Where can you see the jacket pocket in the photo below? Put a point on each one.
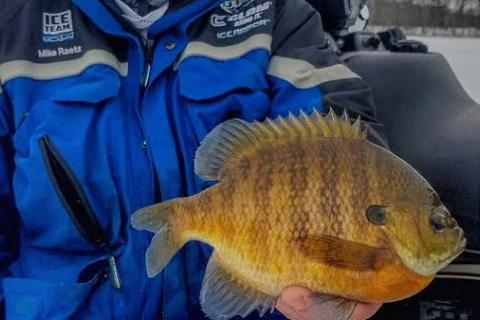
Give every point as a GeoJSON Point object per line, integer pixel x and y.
{"type": "Point", "coordinates": [35, 299]}
{"type": "Point", "coordinates": [77, 205]}
{"type": "Point", "coordinates": [79, 121]}
{"type": "Point", "coordinates": [214, 91]}
{"type": "Point", "coordinates": [71, 194]}
{"type": "Point", "coordinates": [68, 98]}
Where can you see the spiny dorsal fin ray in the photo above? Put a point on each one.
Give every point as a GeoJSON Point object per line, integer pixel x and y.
{"type": "Point", "coordinates": [235, 138]}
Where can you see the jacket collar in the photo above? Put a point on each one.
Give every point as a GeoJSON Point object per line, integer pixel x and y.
{"type": "Point", "coordinates": [106, 15]}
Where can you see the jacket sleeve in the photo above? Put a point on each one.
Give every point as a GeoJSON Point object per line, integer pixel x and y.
{"type": "Point", "coordinates": [8, 216]}
{"type": "Point", "coordinates": [305, 71]}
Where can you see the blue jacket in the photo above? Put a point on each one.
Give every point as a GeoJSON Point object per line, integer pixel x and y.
{"type": "Point", "coordinates": [96, 122]}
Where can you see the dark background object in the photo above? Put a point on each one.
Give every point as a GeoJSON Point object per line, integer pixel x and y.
{"type": "Point", "coordinates": [361, 40]}
{"type": "Point", "coordinates": [338, 15]}
{"type": "Point", "coordinates": [396, 41]}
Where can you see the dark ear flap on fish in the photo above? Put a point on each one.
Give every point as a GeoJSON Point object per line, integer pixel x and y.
{"type": "Point", "coordinates": [376, 214]}
{"type": "Point", "coordinates": [235, 138]}
{"type": "Point", "coordinates": [330, 307]}
{"type": "Point", "coordinates": [342, 254]}
{"type": "Point", "coordinates": [224, 296]}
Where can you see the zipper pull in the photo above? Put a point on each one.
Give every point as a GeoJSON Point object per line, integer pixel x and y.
{"type": "Point", "coordinates": [114, 274]}
{"type": "Point", "coordinates": [148, 50]}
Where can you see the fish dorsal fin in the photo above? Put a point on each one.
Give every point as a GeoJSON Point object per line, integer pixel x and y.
{"type": "Point", "coordinates": [224, 296]}
{"type": "Point", "coordinates": [235, 138]}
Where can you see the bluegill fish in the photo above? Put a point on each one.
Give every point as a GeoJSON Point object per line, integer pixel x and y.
{"type": "Point", "coordinates": [304, 201]}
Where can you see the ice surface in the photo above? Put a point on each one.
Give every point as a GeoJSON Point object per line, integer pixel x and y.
{"type": "Point", "coordinates": [463, 54]}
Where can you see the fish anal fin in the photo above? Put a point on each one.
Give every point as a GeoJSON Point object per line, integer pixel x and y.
{"type": "Point", "coordinates": [342, 254]}
{"type": "Point", "coordinates": [224, 295]}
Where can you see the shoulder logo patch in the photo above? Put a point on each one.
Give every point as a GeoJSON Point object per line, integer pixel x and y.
{"type": "Point", "coordinates": [57, 27]}
{"type": "Point", "coordinates": [243, 16]}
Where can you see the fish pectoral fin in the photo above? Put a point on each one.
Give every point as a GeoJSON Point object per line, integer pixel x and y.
{"type": "Point", "coordinates": [342, 254]}
{"type": "Point", "coordinates": [330, 307]}
{"type": "Point", "coordinates": [224, 295]}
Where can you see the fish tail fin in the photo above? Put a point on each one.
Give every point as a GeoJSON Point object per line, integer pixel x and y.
{"type": "Point", "coordinates": [166, 241]}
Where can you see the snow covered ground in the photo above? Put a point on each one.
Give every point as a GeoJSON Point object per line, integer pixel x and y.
{"type": "Point", "coordinates": [463, 54]}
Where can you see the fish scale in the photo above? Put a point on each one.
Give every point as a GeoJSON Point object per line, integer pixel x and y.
{"type": "Point", "coordinates": [304, 201]}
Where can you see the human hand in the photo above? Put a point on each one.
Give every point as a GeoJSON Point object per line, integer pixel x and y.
{"type": "Point", "coordinates": [298, 303]}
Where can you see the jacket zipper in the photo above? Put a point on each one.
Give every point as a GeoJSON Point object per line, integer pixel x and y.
{"type": "Point", "coordinates": [76, 204]}
{"type": "Point", "coordinates": [148, 45]}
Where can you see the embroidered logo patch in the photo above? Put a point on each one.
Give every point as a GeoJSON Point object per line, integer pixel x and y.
{"type": "Point", "coordinates": [243, 17]}
{"type": "Point", "coordinates": [57, 27]}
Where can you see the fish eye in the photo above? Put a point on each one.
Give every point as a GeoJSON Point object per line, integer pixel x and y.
{"type": "Point", "coordinates": [438, 222]}
{"type": "Point", "coordinates": [376, 214]}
